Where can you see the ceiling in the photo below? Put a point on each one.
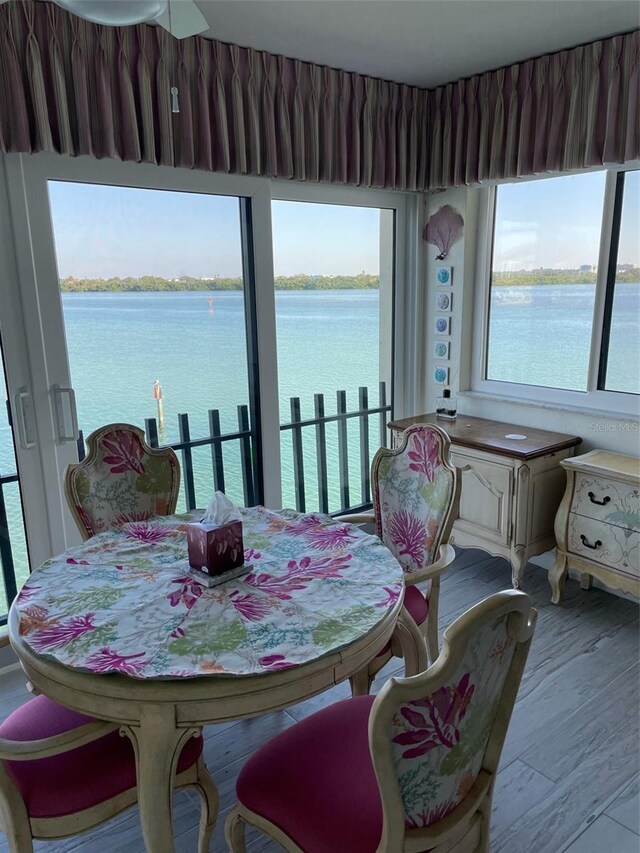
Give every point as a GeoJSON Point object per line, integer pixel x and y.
{"type": "Point", "coordinates": [422, 42]}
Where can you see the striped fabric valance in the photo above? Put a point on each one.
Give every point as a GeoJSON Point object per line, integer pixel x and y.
{"type": "Point", "coordinates": [73, 87]}
{"type": "Point", "coordinates": [565, 111]}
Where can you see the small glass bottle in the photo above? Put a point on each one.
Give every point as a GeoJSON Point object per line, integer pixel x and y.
{"type": "Point", "coordinates": [446, 406]}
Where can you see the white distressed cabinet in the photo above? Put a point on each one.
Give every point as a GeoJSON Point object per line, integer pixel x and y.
{"type": "Point", "coordinates": [512, 484]}
{"type": "Point", "coordinates": [598, 523]}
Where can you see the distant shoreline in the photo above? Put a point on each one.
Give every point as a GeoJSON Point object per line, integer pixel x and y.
{"type": "Point", "coordinates": [522, 278]}
{"type": "Point", "coordinates": [158, 285]}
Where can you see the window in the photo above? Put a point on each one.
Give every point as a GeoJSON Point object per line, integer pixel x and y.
{"type": "Point", "coordinates": [333, 267]}
{"type": "Point", "coordinates": [153, 280]}
{"type": "Point", "coordinates": [620, 361]}
{"type": "Point", "coordinates": [561, 313]}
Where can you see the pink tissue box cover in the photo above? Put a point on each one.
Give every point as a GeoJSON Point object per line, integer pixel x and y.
{"type": "Point", "coordinates": [215, 548]}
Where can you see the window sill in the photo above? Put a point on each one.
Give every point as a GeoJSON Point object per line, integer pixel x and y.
{"type": "Point", "coordinates": [543, 404]}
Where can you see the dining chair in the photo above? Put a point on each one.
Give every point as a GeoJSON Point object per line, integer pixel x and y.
{"type": "Point", "coordinates": [121, 479]}
{"type": "Point", "coordinates": [416, 491]}
{"type": "Point", "coordinates": [62, 773]}
{"type": "Point", "coordinates": [412, 769]}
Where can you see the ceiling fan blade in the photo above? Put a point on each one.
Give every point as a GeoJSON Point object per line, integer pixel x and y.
{"type": "Point", "coordinates": [182, 18]}
{"type": "Point", "coordinates": [114, 13]}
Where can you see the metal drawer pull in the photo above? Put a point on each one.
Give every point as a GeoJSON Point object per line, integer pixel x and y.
{"type": "Point", "coordinates": [586, 543]}
{"type": "Point", "coordinates": [605, 500]}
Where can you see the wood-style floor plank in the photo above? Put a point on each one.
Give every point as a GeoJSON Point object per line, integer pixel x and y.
{"type": "Point", "coordinates": [597, 727]}
{"type": "Point", "coordinates": [518, 788]}
{"type": "Point", "coordinates": [625, 809]}
{"type": "Point", "coordinates": [569, 767]}
{"type": "Point", "coordinates": [605, 836]}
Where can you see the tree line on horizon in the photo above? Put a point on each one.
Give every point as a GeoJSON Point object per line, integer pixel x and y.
{"type": "Point", "coordinates": [556, 276]}
{"type": "Point", "coordinates": [155, 283]}
{"type": "Point", "coordinates": [317, 282]}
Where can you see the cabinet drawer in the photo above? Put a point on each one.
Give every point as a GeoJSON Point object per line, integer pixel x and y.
{"type": "Point", "coordinates": [603, 499]}
{"type": "Point", "coordinates": [615, 547]}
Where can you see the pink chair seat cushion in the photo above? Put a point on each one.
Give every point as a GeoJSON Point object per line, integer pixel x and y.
{"type": "Point", "coordinates": [418, 607]}
{"type": "Point", "coordinates": [315, 781]}
{"type": "Point", "coordinates": [80, 778]}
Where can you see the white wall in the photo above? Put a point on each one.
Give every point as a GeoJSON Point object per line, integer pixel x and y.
{"type": "Point", "coordinates": [608, 430]}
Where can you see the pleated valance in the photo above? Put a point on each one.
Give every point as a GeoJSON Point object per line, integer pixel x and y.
{"type": "Point", "coordinates": [570, 110]}
{"type": "Point", "coordinates": [73, 87]}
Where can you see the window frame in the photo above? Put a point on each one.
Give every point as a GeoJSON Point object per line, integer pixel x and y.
{"type": "Point", "coordinates": [595, 398]}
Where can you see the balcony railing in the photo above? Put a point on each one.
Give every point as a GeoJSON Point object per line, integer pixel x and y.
{"type": "Point", "coordinates": [298, 427]}
{"type": "Point", "coordinates": [6, 553]}
{"type": "Point", "coordinates": [319, 423]}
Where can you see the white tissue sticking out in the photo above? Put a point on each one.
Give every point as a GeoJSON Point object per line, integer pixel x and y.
{"type": "Point", "coordinates": [516, 436]}
{"type": "Point", "coordinates": [221, 510]}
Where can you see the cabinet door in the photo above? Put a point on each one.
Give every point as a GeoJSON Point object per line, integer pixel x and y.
{"type": "Point", "coordinates": [485, 498]}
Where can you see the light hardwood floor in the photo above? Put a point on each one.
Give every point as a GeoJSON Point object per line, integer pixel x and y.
{"type": "Point", "coordinates": [569, 776]}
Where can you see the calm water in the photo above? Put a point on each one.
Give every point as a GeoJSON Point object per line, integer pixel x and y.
{"type": "Point", "coordinates": [542, 336]}
{"type": "Point", "coordinates": [119, 344]}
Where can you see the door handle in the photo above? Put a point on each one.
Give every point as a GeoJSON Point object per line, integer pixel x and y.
{"type": "Point", "coordinates": [65, 432]}
{"type": "Point", "coordinates": [24, 418]}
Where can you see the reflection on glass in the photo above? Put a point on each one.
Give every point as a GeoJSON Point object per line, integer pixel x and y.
{"type": "Point", "coordinates": [545, 251]}
{"type": "Point", "coordinates": [623, 362]}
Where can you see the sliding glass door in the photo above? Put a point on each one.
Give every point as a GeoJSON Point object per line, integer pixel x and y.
{"type": "Point", "coordinates": [139, 296]}
{"type": "Point", "coordinates": [148, 295]}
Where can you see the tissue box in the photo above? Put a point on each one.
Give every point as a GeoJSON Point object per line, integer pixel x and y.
{"type": "Point", "coordinates": [215, 548]}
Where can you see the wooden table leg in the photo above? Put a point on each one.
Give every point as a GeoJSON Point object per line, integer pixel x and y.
{"type": "Point", "coordinates": [157, 743]}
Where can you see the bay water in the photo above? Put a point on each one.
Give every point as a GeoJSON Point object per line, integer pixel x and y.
{"type": "Point", "coordinates": [194, 344]}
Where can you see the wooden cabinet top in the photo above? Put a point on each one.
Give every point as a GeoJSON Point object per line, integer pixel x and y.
{"type": "Point", "coordinates": [607, 464]}
{"type": "Point", "coordinates": [494, 436]}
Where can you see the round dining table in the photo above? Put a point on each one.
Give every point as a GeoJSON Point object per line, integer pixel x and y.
{"type": "Point", "coordinates": [119, 629]}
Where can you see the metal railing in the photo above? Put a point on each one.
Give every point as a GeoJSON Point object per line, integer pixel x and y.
{"type": "Point", "coordinates": [246, 437]}
{"type": "Point", "coordinates": [341, 418]}
{"type": "Point", "coordinates": [6, 553]}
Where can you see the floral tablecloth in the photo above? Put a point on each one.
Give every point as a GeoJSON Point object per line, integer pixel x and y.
{"type": "Point", "coordinates": [124, 601]}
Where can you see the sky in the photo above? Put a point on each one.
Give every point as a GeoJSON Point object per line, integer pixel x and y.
{"type": "Point", "coordinates": [556, 222]}
{"type": "Point", "coordinates": [103, 231]}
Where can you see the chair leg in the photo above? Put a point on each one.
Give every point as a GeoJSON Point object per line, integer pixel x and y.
{"type": "Point", "coordinates": [209, 806]}
{"type": "Point", "coordinates": [361, 683]}
{"type": "Point", "coordinates": [20, 845]}
{"type": "Point", "coordinates": [14, 818]}
{"type": "Point", "coordinates": [485, 810]}
{"type": "Point", "coordinates": [234, 832]}
{"type": "Point", "coordinates": [432, 620]}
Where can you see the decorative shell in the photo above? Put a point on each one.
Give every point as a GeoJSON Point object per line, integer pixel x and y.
{"type": "Point", "coordinates": [443, 229]}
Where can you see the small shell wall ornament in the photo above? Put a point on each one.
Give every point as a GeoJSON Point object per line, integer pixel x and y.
{"type": "Point", "coordinates": [443, 229]}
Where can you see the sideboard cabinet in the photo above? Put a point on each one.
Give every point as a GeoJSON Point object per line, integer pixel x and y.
{"type": "Point", "coordinates": [598, 523]}
{"type": "Point", "coordinates": [512, 484]}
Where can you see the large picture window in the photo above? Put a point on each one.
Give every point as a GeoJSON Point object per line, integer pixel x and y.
{"type": "Point", "coordinates": [561, 313]}
{"type": "Point", "coordinates": [620, 357]}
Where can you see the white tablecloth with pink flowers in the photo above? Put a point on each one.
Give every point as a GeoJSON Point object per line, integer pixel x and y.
{"type": "Point", "coordinates": [124, 601]}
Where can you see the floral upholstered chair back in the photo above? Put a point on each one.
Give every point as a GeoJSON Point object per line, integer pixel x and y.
{"type": "Point", "coordinates": [441, 728]}
{"type": "Point", "coordinates": [121, 479]}
{"type": "Point", "coordinates": [414, 488]}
